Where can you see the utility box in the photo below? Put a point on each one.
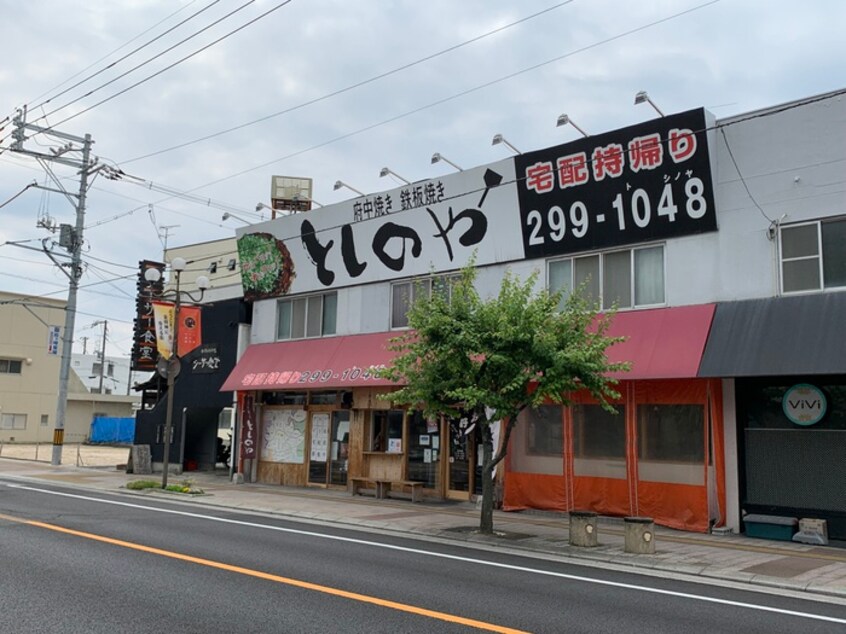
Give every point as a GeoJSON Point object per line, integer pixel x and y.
{"type": "Point", "coordinates": [770, 526]}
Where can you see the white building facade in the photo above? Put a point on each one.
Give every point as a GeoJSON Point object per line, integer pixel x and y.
{"type": "Point", "coordinates": [679, 222]}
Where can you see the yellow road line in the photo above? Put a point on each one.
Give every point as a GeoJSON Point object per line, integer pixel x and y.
{"type": "Point", "coordinates": [363, 598]}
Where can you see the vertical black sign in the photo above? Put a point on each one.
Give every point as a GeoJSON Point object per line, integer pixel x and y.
{"type": "Point", "coordinates": [646, 182]}
{"type": "Point", "coordinates": [144, 352]}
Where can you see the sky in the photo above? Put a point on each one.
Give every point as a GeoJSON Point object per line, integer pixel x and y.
{"type": "Point", "coordinates": [200, 110]}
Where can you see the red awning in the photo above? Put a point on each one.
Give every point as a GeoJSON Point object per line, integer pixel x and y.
{"type": "Point", "coordinates": [663, 343]}
{"type": "Point", "coordinates": [329, 363]}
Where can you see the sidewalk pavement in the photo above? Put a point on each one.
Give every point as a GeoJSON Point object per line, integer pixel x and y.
{"type": "Point", "coordinates": [716, 558]}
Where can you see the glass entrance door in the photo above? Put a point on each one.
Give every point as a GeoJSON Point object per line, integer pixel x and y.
{"type": "Point", "coordinates": [330, 442]}
{"type": "Point", "coordinates": [339, 456]}
{"type": "Point", "coordinates": [424, 449]}
{"type": "Point", "coordinates": [319, 452]}
{"type": "Point", "coordinates": [460, 471]}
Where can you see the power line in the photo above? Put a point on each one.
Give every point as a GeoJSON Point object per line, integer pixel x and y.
{"type": "Point", "coordinates": [459, 95]}
{"type": "Point", "coordinates": [440, 101]}
{"type": "Point", "coordinates": [32, 184]}
{"type": "Point", "coordinates": [705, 129]}
{"type": "Point", "coordinates": [740, 174]}
{"type": "Point", "coordinates": [341, 91]}
{"type": "Point", "coordinates": [176, 63]}
{"type": "Point", "coordinates": [119, 60]}
{"type": "Point", "coordinates": [147, 61]}
{"type": "Point", "coordinates": [107, 55]}
{"type": "Point", "coordinates": [173, 193]}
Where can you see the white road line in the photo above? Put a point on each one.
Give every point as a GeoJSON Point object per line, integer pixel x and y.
{"type": "Point", "coordinates": [480, 562]}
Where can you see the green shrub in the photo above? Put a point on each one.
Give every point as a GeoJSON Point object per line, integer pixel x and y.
{"type": "Point", "coordinates": [137, 485]}
{"type": "Point", "coordinates": [183, 487]}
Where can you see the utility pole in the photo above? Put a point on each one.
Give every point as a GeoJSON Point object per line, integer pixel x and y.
{"type": "Point", "coordinates": [84, 345]}
{"type": "Point", "coordinates": [71, 239]}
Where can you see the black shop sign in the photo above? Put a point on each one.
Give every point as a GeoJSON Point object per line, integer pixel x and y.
{"type": "Point", "coordinates": [646, 182]}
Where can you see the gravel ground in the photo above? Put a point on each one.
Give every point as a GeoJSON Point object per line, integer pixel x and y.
{"type": "Point", "coordinates": [81, 455]}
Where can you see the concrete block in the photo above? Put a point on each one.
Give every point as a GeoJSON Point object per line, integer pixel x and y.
{"type": "Point", "coordinates": [583, 529]}
{"type": "Point", "coordinates": [639, 535]}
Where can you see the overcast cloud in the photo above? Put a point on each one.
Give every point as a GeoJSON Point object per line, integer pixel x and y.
{"type": "Point", "coordinates": [730, 56]}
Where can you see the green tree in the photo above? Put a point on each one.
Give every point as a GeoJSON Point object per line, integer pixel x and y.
{"type": "Point", "coordinates": [466, 358]}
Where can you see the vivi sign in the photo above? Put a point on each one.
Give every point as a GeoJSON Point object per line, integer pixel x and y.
{"type": "Point", "coordinates": [804, 404]}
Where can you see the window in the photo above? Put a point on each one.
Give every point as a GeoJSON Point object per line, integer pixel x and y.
{"type": "Point", "coordinates": [404, 294]}
{"type": "Point", "coordinates": [10, 366]}
{"type": "Point", "coordinates": [545, 431]}
{"type": "Point", "coordinates": [312, 316]}
{"type": "Point", "coordinates": [671, 433]}
{"type": "Point", "coordinates": [45, 420]}
{"type": "Point", "coordinates": [598, 433]}
{"type": "Point", "coordinates": [386, 431]}
{"type": "Point", "coordinates": [322, 398]}
{"type": "Point", "coordinates": [812, 256]}
{"type": "Point", "coordinates": [13, 421]}
{"type": "Point", "coordinates": [629, 278]}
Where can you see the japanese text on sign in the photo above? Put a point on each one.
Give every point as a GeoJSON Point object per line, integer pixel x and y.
{"type": "Point", "coordinates": [645, 182]}
{"type": "Point", "coordinates": [294, 377]}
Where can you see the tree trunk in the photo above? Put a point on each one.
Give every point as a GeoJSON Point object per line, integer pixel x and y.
{"type": "Point", "coordinates": [486, 517]}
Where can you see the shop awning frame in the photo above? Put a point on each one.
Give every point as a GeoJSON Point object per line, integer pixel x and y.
{"type": "Point", "coordinates": [778, 336]}
{"type": "Point", "coordinates": [661, 343]}
{"type": "Point", "coordinates": [312, 364]}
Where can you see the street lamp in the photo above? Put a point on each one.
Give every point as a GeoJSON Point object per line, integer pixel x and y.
{"type": "Point", "coordinates": [565, 119]}
{"type": "Point", "coordinates": [437, 157]}
{"type": "Point", "coordinates": [177, 265]}
{"type": "Point", "coordinates": [339, 184]}
{"type": "Point", "coordinates": [498, 138]}
{"type": "Point", "coordinates": [643, 97]}
{"type": "Point", "coordinates": [387, 170]}
{"type": "Point", "coordinates": [226, 216]}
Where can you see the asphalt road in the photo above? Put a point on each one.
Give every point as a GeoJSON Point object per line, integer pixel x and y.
{"type": "Point", "coordinates": [93, 562]}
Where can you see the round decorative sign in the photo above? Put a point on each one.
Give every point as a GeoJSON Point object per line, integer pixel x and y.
{"type": "Point", "coordinates": [804, 404]}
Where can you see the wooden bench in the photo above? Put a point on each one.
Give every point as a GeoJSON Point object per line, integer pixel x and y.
{"type": "Point", "coordinates": [357, 482]}
{"type": "Point", "coordinates": [383, 487]}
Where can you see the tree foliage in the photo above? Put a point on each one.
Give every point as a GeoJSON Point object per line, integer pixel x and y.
{"type": "Point", "coordinates": [466, 357]}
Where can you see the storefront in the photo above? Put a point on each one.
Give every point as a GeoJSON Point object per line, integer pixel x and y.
{"type": "Point", "coordinates": [660, 455]}
{"type": "Point", "coordinates": [323, 425]}
{"type": "Point", "coordinates": [788, 360]}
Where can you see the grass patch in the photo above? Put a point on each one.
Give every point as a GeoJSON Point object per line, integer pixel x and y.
{"type": "Point", "coordinates": [183, 487]}
{"type": "Point", "coordinates": [138, 485]}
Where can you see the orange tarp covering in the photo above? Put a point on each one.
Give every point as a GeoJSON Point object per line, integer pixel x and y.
{"type": "Point", "coordinates": [606, 496]}
{"type": "Point", "coordinates": [681, 506]}
{"type": "Point", "coordinates": [534, 491]}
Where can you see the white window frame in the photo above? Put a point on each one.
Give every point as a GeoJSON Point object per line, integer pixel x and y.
{"type": "Point", "coordinates": [307, 298]}
{"type": "Point", "coordinates": [429, 282]}
{"type": "Point", "coordinates": [820, 256]}
{"type": "Point", "coordinates": [12, 421]}
{"type": "Point", "coordinates": [601, 274]}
